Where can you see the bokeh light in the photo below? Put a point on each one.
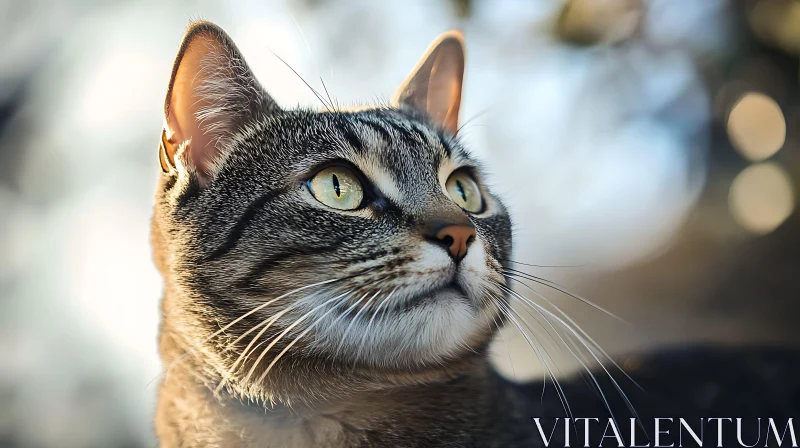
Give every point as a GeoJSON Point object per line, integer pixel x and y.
{"type": "Point", "coordinates": [776, 21]}
{"type": "Point", "coordinates": [761, 197]}
{"type": "Point", "coordinates": [756, 126]}
{"type": "Point", "coordinates": [600, 21]}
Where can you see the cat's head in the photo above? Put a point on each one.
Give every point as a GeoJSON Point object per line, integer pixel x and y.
{"type": "Point", "coordinates": [366, 239]}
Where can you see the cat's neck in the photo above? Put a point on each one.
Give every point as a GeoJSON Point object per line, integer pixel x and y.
{"type": "Point", "coordinates": [190, 412]}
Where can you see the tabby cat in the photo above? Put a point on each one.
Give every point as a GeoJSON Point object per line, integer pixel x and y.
{"type": "Point", "coordinates": [333, 278]}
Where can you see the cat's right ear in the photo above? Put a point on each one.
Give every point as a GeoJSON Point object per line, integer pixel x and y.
{"type": "Point", "coordinates": [211, 93]}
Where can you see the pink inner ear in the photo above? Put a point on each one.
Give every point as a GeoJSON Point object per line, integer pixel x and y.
{"type": "Point", "coordinates": [186, 99]}
{"type": "Point", "coordinates": [434, 86]}
{"type": "Point", "coordinates": [444, 90]}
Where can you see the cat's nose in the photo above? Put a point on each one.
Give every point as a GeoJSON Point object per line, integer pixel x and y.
{"type": "Point", "coordinates": [456, 238]}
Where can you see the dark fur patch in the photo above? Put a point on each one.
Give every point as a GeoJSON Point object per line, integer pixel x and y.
{"type": "Point", "coordinates": [242, 222]}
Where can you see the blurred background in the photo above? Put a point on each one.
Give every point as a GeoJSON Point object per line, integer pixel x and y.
{"type": "Point", "coordinates": [648, 151]}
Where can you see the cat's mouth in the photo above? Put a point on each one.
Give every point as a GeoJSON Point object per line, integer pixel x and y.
{"type": "Point", "coordinates": [451, 291]}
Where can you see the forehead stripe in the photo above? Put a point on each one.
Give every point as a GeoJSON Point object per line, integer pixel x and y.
{"type": "Point", "coordinates": [387, 136]}
{"type": "Point", "coordinates": [352, 137]}
{"type": "Point", "coordinates": [405, 135]}
{"type": "Point", "coordinates": [423, 137]}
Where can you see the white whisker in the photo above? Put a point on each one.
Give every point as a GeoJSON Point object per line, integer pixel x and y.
{"type": "Point", "coordinates": [369, 324]}
{"type": "Point", "coordinates": [352, 322]}
{"type": "Point", "coordinates": [589, 349]}
{"type": "Point", "coordinates": [194, 348]}
{"type": "Point", "coordinates": [510, 314]}
{"type": "Point", "coordinates": [551, 284]}
{"type": "Point", "coordinates": [582, 331]}
{"type": "Point", "coordinates": [291, 344]}
{"type": "Point", "coordinates": [287, 330]}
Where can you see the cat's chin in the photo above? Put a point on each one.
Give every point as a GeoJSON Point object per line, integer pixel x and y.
{"type": "Point", "coordinates": [423, 330]}
{"type": "Point", "coordinates": [448, 294]}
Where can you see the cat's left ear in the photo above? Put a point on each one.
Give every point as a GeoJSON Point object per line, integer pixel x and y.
{"type": "Point", "coordinates": [211, 94]}
{"type": "Point", "coordinates": [434, 86]}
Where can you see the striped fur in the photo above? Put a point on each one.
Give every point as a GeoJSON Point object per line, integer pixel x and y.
{"type": "Point", "coordinates": [396, 311]}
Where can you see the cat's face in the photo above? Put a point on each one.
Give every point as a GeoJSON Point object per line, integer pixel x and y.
{"type": "Point", "coordinates": [365, 238]}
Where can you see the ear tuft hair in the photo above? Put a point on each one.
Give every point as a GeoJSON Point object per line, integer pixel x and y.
{"type": "Point", "coordinates": [211, 93]}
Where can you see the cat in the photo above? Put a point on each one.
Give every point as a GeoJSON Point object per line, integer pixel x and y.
{"type": "Point", "coordinates": [332, 278]}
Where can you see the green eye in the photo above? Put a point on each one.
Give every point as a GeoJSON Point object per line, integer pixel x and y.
{"type": "Point", "coordinates": [337, 187]}
{"type": "Point", "coordinates": [464, 191]}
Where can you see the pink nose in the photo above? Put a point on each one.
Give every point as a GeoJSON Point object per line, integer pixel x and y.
{"type": "Point", "coordinates": [457, 238]}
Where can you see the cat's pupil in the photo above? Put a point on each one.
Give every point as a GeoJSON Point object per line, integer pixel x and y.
{"type": "Point", "coordinates": [336, 186]}
{"type": "Point", "coordinates": [461, 190]}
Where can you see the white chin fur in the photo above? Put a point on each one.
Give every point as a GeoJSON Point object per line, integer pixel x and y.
{"type": "Point", "coordinates": [425, 332]}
